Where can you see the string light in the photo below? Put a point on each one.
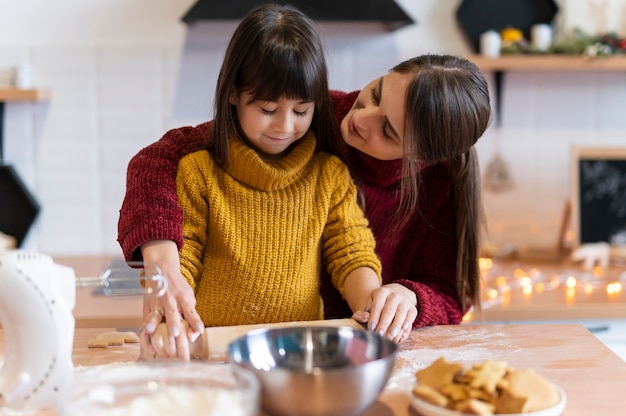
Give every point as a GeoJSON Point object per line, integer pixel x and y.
{"type": "Point", "coordinates": [613, 288]}
{"type": "Point", "coordinates": [499, 286]}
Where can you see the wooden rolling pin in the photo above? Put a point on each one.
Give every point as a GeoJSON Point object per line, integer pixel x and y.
{"type": "Point", "coordinates": [217, 338]}
{"type": "Point", "coordinates": [213, 344]}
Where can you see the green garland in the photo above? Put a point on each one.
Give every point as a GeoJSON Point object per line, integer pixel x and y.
{"type": "Point", "coordinates": [575, 43]}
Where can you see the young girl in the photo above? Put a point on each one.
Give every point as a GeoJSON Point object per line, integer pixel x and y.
{"type": "Point", "coordinates": [264, 208]}
{"type": "Point", "coordinates": [407, 139]}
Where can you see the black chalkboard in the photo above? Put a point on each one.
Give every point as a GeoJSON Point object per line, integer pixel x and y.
{"type": "Point", "coordinates": [599, 195]}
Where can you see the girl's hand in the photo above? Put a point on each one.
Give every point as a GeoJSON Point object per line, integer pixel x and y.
{"type": "Point", "coordinates": [161, 345]}
{"type": "Point", "coordinates": [393, 311]}
{"type": "Point", "coordinates": [177, 302]}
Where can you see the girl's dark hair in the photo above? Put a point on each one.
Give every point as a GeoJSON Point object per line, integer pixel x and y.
{"type": "Point", "coordinates": [274, 53]}
{"type": "Point", "coordinates": [447, 111]}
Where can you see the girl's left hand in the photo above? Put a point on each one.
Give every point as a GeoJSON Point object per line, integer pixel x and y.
{"type": "Point", "coordinates": [395, 307]}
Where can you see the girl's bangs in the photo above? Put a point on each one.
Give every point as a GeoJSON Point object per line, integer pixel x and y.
{"type": "Point", "coordinates": [288, 78]}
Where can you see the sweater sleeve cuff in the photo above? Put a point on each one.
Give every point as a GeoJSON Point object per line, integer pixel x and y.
{"type": "Point", "coordinates": [149, 231]}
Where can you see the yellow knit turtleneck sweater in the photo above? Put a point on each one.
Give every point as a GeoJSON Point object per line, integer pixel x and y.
{"type": "Point", "coordinates": [257, 233]}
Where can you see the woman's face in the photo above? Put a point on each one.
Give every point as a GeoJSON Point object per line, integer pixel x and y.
{"type": "Point", "coordinates": [375, 124]}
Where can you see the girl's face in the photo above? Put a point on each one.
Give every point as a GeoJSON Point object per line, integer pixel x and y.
{"type": "Point", "coordinates": [375, 124]}
{"type": "Point", "coordinates": [271, 127]}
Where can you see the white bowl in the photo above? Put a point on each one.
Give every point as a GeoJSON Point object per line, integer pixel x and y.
{"type": "Point", "coordinates": [428, 409]}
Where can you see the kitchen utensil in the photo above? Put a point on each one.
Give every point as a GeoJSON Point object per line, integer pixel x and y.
{"type": "Point", "coordinates": [308, 370]}
{"type": "Point", "coordinates": [37, 297]}
{"type": "Point", "coordinates": [498, 177]}
{"type": "Point", "coordinates": [218, 338]}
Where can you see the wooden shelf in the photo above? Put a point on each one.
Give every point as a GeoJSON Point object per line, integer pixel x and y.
{"type": "Point", "coordinates": [549, 63]}
{"type": "Point", "coordinates": [11, 94]}
{"type": "Point", "coordinates": [15, 94]}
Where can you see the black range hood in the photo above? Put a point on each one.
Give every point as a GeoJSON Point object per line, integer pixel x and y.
{"type": "Point", "coordinates": [386, 12]}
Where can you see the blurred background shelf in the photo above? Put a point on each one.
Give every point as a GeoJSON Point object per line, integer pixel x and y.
{"type": "Point", "coordinates": [550, 63]}
{"type": "Point", "coordinates": [16, 94]}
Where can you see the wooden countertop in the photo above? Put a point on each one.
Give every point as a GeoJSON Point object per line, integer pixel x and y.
{"type": "Point", "coordinates": [96, 311]}
{"type": "Point", "coordinates": [569, 355]}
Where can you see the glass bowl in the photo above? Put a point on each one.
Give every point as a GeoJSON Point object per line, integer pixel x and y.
{"type": "Point", "coordinates": [163, 388]}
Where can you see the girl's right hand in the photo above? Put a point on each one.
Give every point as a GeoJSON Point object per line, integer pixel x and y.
{"type": "Point", "coordinates": [177, 304]}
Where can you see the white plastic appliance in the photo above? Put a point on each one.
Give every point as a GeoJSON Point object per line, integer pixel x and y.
{"type": "Point", "coordinates": [37, 297]}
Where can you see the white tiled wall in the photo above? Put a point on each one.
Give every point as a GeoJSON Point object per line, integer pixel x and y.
{"type": "Point", "coordinates": [123, 72]}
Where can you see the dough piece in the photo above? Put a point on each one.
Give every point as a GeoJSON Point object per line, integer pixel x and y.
{"type": "Point", "coordinates": [456, 392]}
{"type": "Point", "coordinates": [475, 407]}
{"type": "Point", "coordinates": [486, 375]}
{"type": "Point", "coordinates": [430, 395]}
{"type": "Point", "coordinates": [540, 392]}
{"type": "Point", "coordinates": [108, 339]}
{"type": "Point", "coordinates": [490, 387]}
{"type": "Point", "coordinates": [439, 374]}
{"type": "Point", "coordinates": [508, 403]}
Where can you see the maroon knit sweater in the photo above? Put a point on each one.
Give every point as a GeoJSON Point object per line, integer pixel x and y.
{"type": "Point", "coordinates": [421, 256]}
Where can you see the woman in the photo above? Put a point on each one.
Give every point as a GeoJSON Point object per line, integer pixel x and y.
{"type": "Point", "coordinates": [407, 139]}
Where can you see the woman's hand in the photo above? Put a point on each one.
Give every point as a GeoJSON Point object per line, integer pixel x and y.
{"type": "Point", "coordinates": [392, 312]}
{"type": "Point", "coordinates": [177, 303]}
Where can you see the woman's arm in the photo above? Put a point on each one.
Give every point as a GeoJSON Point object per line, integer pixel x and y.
{"type": "Point", "coordinates": [150, 227]}
{"type": "Point", "coordinates": [425, 260]}
{"type": "Point", "coordinates": [150, 210]}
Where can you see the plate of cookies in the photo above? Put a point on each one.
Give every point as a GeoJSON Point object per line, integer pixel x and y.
{"type": "Point", "coordinates": [487, 388]}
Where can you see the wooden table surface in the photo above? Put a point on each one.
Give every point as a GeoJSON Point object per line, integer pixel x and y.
{"type": "Point", "coordinates": [592, 376]}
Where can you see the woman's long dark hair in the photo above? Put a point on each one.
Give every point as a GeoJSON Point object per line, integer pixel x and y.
{"type": "Point", "coordinates": [274, 53]}
{"type": "Point", "coordinates": [447, 111]}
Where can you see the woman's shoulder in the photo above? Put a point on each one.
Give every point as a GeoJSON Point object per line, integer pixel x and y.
{"type": "Point", "coordinates": [202, 130]}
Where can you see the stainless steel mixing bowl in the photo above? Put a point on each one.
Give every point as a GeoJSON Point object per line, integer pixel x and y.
{"type": "Point", "coordinates": [316, 370]}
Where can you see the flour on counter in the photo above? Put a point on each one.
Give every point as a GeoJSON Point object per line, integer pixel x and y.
{"type": "Point", "coordinates": [474, 346]}
{"type": "Point", "coordinates": [135, 389]}
{"type": "Point", "coordinates": [169, 401]}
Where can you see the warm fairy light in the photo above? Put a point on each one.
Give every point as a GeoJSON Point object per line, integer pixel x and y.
{"type": "Point", "coordinates": [501, 281]}
{"type": "Point", "coordinates": [527, 285]}
{"type": "Point", "coordinates": [467, 317]}
{"type": "Point", "coordinates": [485, 263]}
{"type": "Point", "coordinates": [613, 288]}
{"type": "Point", "coordinates": [501, 286]}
